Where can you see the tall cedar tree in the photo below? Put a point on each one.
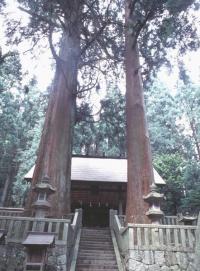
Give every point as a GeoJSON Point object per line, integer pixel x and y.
{"type": "Point", "coordinates": [84, 26]}
{"type": "Point", "coordinates": [138, 16]}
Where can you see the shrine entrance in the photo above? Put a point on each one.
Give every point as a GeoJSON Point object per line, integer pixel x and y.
{"type": "Point", "coordinates": [95, 216]}
{"type": "Point", "coordinates": [96, 199]}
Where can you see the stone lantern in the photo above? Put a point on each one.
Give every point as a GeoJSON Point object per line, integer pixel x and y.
{"type": "Point", "coordinates": [187, 219]}
{"type": "Point", "coordinates": [154, 199]}
{"type": "Point", "coordinates": [43, 189]}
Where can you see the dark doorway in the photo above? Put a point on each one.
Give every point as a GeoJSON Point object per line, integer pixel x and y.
{"type": "Point", "coordinates": [95, 216]}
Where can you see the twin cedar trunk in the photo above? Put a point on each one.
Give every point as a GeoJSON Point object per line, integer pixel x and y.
{"type": "Point", "coordinates": [54, 156]}
{"type": "Point", "coordinates": [140, 170]}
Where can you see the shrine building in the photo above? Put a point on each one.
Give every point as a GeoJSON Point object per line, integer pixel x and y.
{"type": "Point", "coordinates": [98, 185]}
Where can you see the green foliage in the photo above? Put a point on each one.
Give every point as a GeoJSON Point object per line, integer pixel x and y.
{"type": "Point", "coordinates": [174, 132]}
{"type": "Point", "coordinates": [188, 98]}
{"type": "Point", "coordinates": [111, 127]}
{"type": "Point", "coordinates": [9, 140]}
{"type": "Point", "coordinates": [84, 131]}
{"type": "Point", "coordinates": [26, 159]}
{"type": "Point", "coordinates": [156, 25]}
{"type": "Point", "coordinates": [21, 116]}
{"type": "Point", "coordinates": [10, 71]}
{"type": "Point", "coordinates": [191, 201]}
{"type": "Point", "coordinates": [160, 25]}
{"type": "Point", "coordinates": [32, 122]}
{"type": "Point", "coordinates": [104, 136]}
{"type": "Point", "coordinates": [163, 114]}
{"type": "Point", "coordinates": [170, 167]}
{"type": "Point", "coordinates": [10, 121]}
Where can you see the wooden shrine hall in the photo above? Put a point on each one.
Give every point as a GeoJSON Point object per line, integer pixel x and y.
{"type": "Point", "coordinates": [98, 184]}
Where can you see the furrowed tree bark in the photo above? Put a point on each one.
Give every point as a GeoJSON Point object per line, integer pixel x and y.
{"type": "Point", "coordinates": [5, 192]}
{"type": "Point", "coordinates": [140, 169]}
{"type": "Point", "coordinates": [54, 155]}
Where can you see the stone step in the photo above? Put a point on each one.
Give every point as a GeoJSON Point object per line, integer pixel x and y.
{"type": "Point", "coordinates": [98, 241]}
{"type": "Point", "coordinates": [96, 266]}
{"type": "Point", "coordinates": [96, 257]}
{"type": "Point", "coordinates": [95, 230]}
{"type": "Point", "coordinates": [96, 252]}
{"type": "Point", "coordinates": [96, 237]}
{"type": "Point", "coordinates": [99, 255]}
{"type": "Point", "coordinates": [96, 269]}
{"type": "Point", "coordinates": [95, 261]}
{"type": "Point", "coordinates": [94, 242]}
{"type": "Point", "coordinates": [106, 248]}
{"type": "Point", "coordinates": [96, 233]}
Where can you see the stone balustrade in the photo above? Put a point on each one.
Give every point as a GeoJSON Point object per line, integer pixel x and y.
{"type": "Point", "coordinates": [154, 247]}
{"type": "Point", "coordinates": [162, 237]}
{"type": "Point", "coordinates": [18, 227]}
{"type": "Point", "coordinates": [4, 211]}
{"type": "Point", "coordinates": [170, 220]}
{"type": "Point", "coordinates": [166, 220]}
{"type": "Point", "coordinates": [154, 237]}
{"type": "Point", "coordinates": [12, 254]}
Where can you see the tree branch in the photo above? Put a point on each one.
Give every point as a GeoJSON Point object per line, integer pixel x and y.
{"type": "Point", "coordinates": [53, 51]}
{"type": "Point", "coordinates": [141, 25]}
{"type": "Point", "coordinates": [93, 39]}
{"type": "Point", "coordinates": [42, 18]}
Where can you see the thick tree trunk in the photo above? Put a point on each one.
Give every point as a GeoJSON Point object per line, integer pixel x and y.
{"type": "Point", "coordinates": [6, 199]}
{"type": "Point", "coordinates": [54, 156]}
{"type": "Point", "coordinates": [5, 192]}
{"type": "Point", "coordinates": [140, 170]}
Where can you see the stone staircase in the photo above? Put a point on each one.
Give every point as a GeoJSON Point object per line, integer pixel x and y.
{"type": "Point", "coordinates": [96, 251]}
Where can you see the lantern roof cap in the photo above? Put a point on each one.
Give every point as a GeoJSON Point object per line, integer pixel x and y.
{"type": "Point", "coordinates": [39, 239]}
{"type": "Point", "coordinates": [45, 186]}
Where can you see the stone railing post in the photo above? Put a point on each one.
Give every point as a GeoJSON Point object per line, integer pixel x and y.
{"type": "Point", "coordinates": [112, 214]}
{"type": "Point", "coordinates": [80, 211]}
{"type": "Point", "coordinates": [197, 248]}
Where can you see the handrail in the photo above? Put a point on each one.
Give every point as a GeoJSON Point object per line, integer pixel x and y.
{"type": "Point", "coordinates": [73, 235]}
{"type": "Point", "coordinates": [9, 211]}
{"type": "Point", "coordinates": [130, 225]}
{"type": "Point", "coordinates": [39, 219]}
